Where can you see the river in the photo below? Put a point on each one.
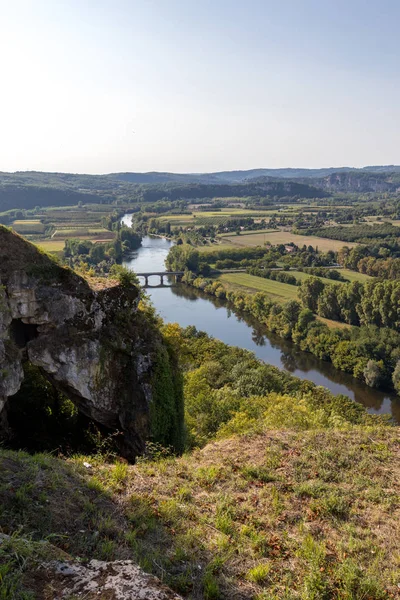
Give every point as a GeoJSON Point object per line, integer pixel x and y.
{"type": "Point", "coordinates": [187, 306]}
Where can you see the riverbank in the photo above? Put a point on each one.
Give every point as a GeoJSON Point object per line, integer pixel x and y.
{"type": "Point", "coordinates": [191, 307]}
{"type": "Point", "coordinates": [290, 321]}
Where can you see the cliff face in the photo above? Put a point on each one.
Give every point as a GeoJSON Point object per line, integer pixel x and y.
{"type": "Point", "coordinates": [355, 182]}
{"type": "Point", "coordinates": [93, 344]}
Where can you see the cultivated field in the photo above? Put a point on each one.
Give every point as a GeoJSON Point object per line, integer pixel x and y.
{"type": "Point", "coordinates": [300, 276]}
{"type": "Point", "coordinates": [354, 276]}
{"type": "Point", "coordinates": [347, 274]}
{"type": "Point", "coordinates": [84, 233]}
{"type": "Point", "coordinates": [51, 245]}
{"type": "Point", "coordinates": [213, 247]}
{"type": "Point", "coordinates": [28, 226]}
{"type": "Point", "coordinates": [284, 237]}
{"type": "Point", "coordinates": [210, 217]}
{"type": "Point", "coordinates": [281, 292]}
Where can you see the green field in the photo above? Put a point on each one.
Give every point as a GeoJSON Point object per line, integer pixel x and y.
{"type": "Point", "coordinates": [281, 292]}
{"type": "Point", "coordinates": [347, 274]}
{"type": "Point", "coordinates": [354, 276]}
{"type": "Point", "coordinates": [300, 276]}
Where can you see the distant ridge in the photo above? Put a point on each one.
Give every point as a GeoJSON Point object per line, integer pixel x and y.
{"type": "Point", "coordinates": [28, 189]}
{"type": "Point", "coordinates": [246, 175]}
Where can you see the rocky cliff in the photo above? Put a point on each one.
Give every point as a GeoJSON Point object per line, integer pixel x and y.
{"type": "Point", "coordinates": [90, 341]}
{"type": "Point", "coordinates": [355, 182]}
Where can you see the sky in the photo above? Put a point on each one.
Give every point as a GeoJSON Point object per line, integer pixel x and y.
{"type": "Point", "coordinates": [99, 86]}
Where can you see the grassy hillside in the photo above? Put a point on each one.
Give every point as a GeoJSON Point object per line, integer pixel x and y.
{"type": "Point", "coordinates": [277, 514]}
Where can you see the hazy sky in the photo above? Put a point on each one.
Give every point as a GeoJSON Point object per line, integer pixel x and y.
{"type": "Point", "coordinates": [96, 86]}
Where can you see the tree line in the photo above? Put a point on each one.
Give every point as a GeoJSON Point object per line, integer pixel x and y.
{"type": "Point", "coordinates": [370, 303]}
{"type": "Point", "coordinates": [370, 352]}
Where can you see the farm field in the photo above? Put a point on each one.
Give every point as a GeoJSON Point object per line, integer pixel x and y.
{"type": "Point", "coordinates": [204, 218]}
{"type": "Point", "coordinates": [213, 247]}
{"type": "Point", "coordinates": [28, 226]}
{"type": "Point", "coordinates": [84, 233]}
{"type": "Point", "coordinates": [255, 232]}
{"type": "Point", "coordinates": [284, 237]}
{"type": "Point", "coordinates": [301, 276]}
{"type": "Point", "coordinates": [51, 245]}
{"type": "Point", "coordinates": [354, 276]}
{"type": "Point", "coordinates": [281, 292]}
{"type": "Point", "coordinates": [347, 274]}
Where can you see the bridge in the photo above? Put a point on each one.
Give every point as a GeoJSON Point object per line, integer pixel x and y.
{"type": "Point", "coordinates": [161, 274]}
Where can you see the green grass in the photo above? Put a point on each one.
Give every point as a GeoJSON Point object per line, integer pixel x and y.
{"type": "Point", "coordinates": [354, 276]}
{"type": "Point", "coordinates": [282, 292]}
{"type": "Point", "coordinates": [300, 276]}
{"type": "Point", "coordinates": [349, 275]}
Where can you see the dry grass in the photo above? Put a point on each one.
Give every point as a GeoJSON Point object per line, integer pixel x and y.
{"type": "Point", "coordinates": [51, 245]}
{"type": "Point", "coordinates": [333, 324]}
{"type": "Point", "coordinates": [84, 233]}
{"type": "Point", "coordinates": [285, 237]}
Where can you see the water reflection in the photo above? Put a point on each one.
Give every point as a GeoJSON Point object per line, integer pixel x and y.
{"type": "Point", "coordinates": [284, 354]}
{"type": "Point", "coordinates": [188, 306]}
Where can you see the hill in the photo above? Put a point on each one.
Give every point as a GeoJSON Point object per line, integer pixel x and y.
{"type": "Point", "coordinates": [246, 175]}
{"type": "Point", "coordinates": [29, 189]}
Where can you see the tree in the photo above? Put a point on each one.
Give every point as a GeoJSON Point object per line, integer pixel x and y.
{"type": "Point", "coordinates": [373, 373]}
{"type": "Point", "coordinates": [328, 305]}
{"type": "Point", "coordinates": [291, 311]}
{"type": "Point", "coordinates": [183, 257]}
{"type": "Point", "coordinates": [396, 378]}
{"type": "Point", "coordinates": [309, 292]}
{"type": "Point", "coordinates": [306, 317]}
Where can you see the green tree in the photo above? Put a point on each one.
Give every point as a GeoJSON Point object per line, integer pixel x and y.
{"type": "Point", "coordinates": [373, 373]}
{"type": "Point", "coordinates": [309, 292]}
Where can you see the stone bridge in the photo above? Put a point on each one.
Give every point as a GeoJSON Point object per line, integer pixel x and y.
{"type": "Point", "coordinates": [161, 274]}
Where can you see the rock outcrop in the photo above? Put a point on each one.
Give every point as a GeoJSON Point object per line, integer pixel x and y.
{"type": "Point", "coordinates": [91, 342]}
{"type": "Point", "coordinates": [117, 580]}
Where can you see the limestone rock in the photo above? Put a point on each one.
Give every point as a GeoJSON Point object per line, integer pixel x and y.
{"type": "Point", "coordinates": [117, 580]}
{"type": "Point", "coordinates": [91, 343]}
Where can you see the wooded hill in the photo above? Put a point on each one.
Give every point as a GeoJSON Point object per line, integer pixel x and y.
{"type": "Point", "coordinates": [29, 189]}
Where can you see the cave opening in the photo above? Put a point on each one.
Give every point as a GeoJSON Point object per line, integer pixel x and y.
{"type": "Point", "coordinates": [40, 418]}
{"type": "Point", "coordinates": [22, 333]}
